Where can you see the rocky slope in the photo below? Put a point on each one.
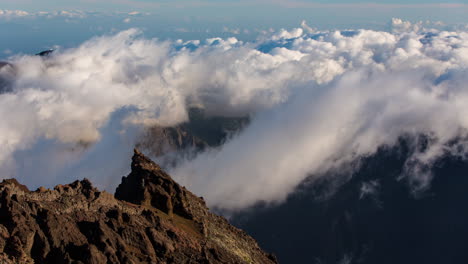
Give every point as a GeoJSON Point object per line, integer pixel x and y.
{"type": "Point", "coordinates": [151, 219]}
{"type": "Point", "coordinates": [197, 134]}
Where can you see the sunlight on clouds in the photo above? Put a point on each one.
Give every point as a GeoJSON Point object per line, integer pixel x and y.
{"type": "Point", "coordinates": [318, 100]}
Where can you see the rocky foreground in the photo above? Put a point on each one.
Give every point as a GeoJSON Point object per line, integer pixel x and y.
{"type": "Point", "coordinates": [151, 219]}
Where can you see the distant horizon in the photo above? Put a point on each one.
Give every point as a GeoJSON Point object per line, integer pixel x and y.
{"type": "Point", "coordinates": [152, 5]}
{"type": "Point", "coordinates": [30, 32]}
{"type": "Point", "coordinates": [28, 25]}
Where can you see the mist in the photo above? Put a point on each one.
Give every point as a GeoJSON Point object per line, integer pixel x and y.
{"type": "Point", "coordinates": [316, 100]}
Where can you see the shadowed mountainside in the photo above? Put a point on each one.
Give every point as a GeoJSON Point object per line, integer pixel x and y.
{"type": "Point", "coordinates": [7, 74]}
{"type": "Point", "coordinates": [185, 140]}
{"type": "Point", "coordinates": [369, 216]}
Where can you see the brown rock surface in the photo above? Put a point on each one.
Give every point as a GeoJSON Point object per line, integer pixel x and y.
{"type": "Point", "coordinates": [151, 219]}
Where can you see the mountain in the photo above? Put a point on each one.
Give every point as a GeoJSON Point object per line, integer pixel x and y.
{"type": "Point", "coordinates": [7, 74]}
{"type": "Point", "coordinates": [366, 213]}
{"type": "Point", "coordinates": [151, 219]}
{"type": "Point", "coordinates": [370, 215]}
{"type": "Point", "coordinates": [197, 134]}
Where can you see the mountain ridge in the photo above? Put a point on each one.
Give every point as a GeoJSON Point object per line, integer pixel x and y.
{"type": "Point", "coordinates": [161, 222]}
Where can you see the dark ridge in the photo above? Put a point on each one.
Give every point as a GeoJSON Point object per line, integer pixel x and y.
{"type": "Point", "coordinates": [7, 75]}
{"type": "Point", "coordinates": [388, 223]}
{"type": "Point", "coordinates": [45, 53]}
{"type": "Point", "coordinates": [197, 134]}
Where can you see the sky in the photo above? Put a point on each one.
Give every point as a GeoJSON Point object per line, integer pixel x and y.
{"type": "Point", "coordinates": [31, 25]}
{"type": "Point", "coordinates": [155, 4]}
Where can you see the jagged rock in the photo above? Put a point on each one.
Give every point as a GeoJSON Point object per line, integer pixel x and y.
{"type": "Point", "coordinates": [151, 219]}
{"type": "Point", "coordinates": [149, 185]}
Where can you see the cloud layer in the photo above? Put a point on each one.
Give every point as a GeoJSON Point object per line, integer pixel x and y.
{"type": "Point", "coordinates": [317, 101]}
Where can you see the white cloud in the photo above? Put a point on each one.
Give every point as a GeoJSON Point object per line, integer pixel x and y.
{"type": "Point", "coordinates": [127, 20]}
{"type": "Point", "coordinates": [316, 102]}
{"type": "Point", "coordinates": [8, 14]}
{"type": "Point", "coordinates": [307, 27]}
{"type": "Point", "coordinates": [285, 34]}
{"type": "Point", "coordinates": [70, 14]}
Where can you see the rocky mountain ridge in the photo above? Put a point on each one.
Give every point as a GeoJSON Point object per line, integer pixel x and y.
{"type": "Point", "coordinates": [151, 219]}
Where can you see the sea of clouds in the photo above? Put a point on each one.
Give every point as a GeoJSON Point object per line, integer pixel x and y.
{"type": "Point", "coordinates": [317, 100]}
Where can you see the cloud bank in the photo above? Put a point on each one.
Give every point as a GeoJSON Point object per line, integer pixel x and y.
{"type": "Point", "coordinates": [317, 100]}
{"type": "Point", "coordinates": [8, 14]}
{"type": "Point", "coordinates": [68, 14]}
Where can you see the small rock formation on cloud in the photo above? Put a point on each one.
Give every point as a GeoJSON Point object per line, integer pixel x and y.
{"type": "Point", "coordinates": [151, 219]}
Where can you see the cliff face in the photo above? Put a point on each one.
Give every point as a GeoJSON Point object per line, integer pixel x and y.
{"type": "Point", "coordinates": [198, 133]}
{"type": "Point", "coordinates": [151, 219]}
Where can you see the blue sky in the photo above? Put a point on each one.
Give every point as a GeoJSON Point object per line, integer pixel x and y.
{"type": "Point", "coordinates": [155, 4]}
{"type": "Point", "coordinates": [229, 6]}
{"type": "Point", "coordinates": [199, 19]}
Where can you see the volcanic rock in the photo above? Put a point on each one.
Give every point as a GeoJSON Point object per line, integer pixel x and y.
{"type": "Point", "coordinates": [151, 219]}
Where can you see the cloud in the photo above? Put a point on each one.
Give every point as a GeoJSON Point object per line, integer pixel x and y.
{"type": "Point", "coordinates": [369, 189]}
{"type": "Point", "coordinates": [71, 14]}
{"type": "Point", "coordinates": [8, 14]}
{"type": "Point", "coordinates": [351, 95]}
{"type": "Point", "coordinates": [234, 31]}
{"type": "Point", "coordinates": [68, 14]}
{"type": "Point", "coordinates": [307, 27]}
{"type": "Point", "coordinates": [316, 101]}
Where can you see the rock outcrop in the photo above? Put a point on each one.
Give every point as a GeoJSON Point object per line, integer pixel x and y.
{"type": "Point", "coordinates": [151, 219]}
{"type": "Point", "coordinates": [201, 131]}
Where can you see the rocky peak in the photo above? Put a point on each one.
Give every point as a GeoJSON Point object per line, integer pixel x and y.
{"type": "Point", "coordinates": [13, 184]}
{"type": "Point", "coordinates": [149, 185]}
{"type": "Point", "coordinates": [151, 219]}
